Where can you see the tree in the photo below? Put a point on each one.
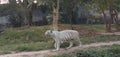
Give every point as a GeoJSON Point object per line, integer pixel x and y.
{"type": "Point", "coordinates": [54, 5]}
{"type": "Point", "coordinates": [112, 6]}
{"type": "Point", "coordinates": [25, 9]}
{"type": "Point", "coordinates": [71, 7]}
{"type": "Point", "coordinates": [113, 9]}
{"type": "Point", "coordinates": [102, 7]}
{"type": "Point", "coordinates": [15, 19]}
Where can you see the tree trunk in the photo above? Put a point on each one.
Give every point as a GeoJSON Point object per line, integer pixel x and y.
{"type": "Point", "coordinates": [55, 19]}
{"type": "Point", "coordinates": [71, 17]}
{"type": "Point", "coordinates": [111, 18]}
{"type": "Point", "coordinates": [105, 21]}
{"type": "Point", "coordinates": [117, 22]}
{"type": "Point", "coordinates": [55, 16]}
{"type": "Point", "coordinates": [30, 17]}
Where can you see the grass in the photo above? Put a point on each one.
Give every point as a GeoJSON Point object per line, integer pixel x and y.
{"type": "Point", "coordinates": [33, 39]}
{"type": "Point", "coordinates": [88, 40]}
{"type": "Point", "coordinates": [99, 28]}
{"type": "Point", "coordinates": [110, 51]}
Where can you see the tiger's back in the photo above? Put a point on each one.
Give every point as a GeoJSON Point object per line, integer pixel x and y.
{"type": "Point", "coordinates": [69, 35]}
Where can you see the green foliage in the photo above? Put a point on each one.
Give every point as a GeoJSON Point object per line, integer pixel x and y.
{"type": "Point", "coordinates": [113, 51]}
{"type": "Point", "coordinates": [16, 20]}
{"type": "Point", "coordinates": [88, 40]}
{"type": "Point", "coordinates": [24, 48]}
{"type": "Point", "coordinates": [33, 39]}
{"type": "Point", "coordinates": [99, 28]}
{"type": "Point", "coordinates": [34, 46]}
{"type": "Point", "coordinates": [102, 52]}
{"type": "Point", "coordinates": [64, 55]}
{"type": "Point", "coordinates": [49, 3]}
{"type": "Point", "coordinates": [26, 36]}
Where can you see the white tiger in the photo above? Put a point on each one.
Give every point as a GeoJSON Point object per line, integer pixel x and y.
{"type": "Point", "coordinates": [64, 36]}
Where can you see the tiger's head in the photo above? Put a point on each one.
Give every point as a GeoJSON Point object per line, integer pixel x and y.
{"type": "Point", "coordinates": [48, 33]}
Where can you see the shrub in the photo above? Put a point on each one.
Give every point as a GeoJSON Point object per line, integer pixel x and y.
{"type": "Point", "coordinates": [16, 20]}
{"type": "Point", "coordinates": [113, 51]}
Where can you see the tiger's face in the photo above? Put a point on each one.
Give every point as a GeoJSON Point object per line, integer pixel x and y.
{"type": "Point", "coordinates": [48, 33]}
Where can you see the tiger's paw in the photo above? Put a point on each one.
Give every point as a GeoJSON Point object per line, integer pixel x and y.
{"type": "Point", "coordinates": [55, 50]}
{"type": "Point", "coordinates": [80, 45]}
{"type": "Point", "coordinates": [68, 48]}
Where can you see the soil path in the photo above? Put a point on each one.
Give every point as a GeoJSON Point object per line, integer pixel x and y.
{"type": "Point", "coordinates": [45, 53]}
{"type": "Point", "coordinates": [115, 33]}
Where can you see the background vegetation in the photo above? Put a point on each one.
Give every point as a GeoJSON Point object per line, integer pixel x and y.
{"type": "Point", "coordinates": [113, 51]}
{"type": "Point", "coordinates": [89, 17]}
{"type": "Point", "coordinates": [21, 13]}
{"type": "Point", "coordinates": [33, 39]}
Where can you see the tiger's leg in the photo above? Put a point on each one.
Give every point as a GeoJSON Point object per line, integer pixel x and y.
{"type": "Point", "coordinates": [71, 44]}
{"type": "Point", "coordinates": [55, 45]}
{"type": "Point", "coordinates": [80, 44]}
{"type": "Point", "coordinates": [78, 40]}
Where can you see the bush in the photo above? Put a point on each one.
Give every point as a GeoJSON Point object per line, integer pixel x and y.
{"type": "Point", "coordinates": [16, 21]}
{"type": "Point", "coordinates": [101, 52]}
{"type": "Point", "coordinates": [113, 51]}
{"type": "Point", "coordinates": [64, 55]}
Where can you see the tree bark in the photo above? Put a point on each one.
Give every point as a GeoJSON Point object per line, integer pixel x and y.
{"type": "Point", "coordinates": [30, 17]}
{"type": "Point", "coordinates": [55, 16]}
{"type": "Point", "coordinates": [105, 21]}
{"type": "Point", "coordinates": [111, 20]}
{"type": "Point", "coordinates": [117, 22]}
{"type": "Point", "coordinates": [55, 19]}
